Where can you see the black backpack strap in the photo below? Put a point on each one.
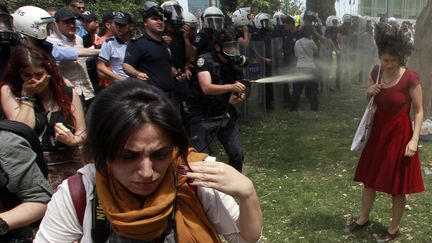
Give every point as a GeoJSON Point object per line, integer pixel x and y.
{"type": "Point", "coordinates": [101, 229]}
{"type": "Point", "coordinates": [28, 134]}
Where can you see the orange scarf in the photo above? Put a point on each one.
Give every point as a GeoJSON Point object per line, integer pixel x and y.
{"type": "Point", "coordinates": [146, 218]}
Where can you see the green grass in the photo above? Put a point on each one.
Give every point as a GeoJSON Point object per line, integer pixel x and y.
{"type": "Point", "coordinates": [302, 168]}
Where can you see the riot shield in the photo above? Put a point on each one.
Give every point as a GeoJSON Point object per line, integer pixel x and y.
{"type": "Point", "coordinates": [279, 96]}
{"type": "Point", "coordinates": [254, 106]}
{"type": "Point", "coordinates": [346, 61]}
{"type": "Point", "coordinates": [327, 65]}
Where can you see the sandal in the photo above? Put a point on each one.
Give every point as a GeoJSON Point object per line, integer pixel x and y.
{"type": "Point", "coordinates": [354, 226]}
{"type": "Point", "coordinates": [386, 236]}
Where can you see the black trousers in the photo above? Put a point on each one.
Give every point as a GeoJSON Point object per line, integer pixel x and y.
{"type": "Point", "coordinates": [203, 130]}
{"type": "Point", "coordinates": [311, 92]}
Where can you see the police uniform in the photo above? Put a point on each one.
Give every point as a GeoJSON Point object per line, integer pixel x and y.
{"type": "Point", "coordinates": [179, 61]}
{"type": "Point", "coordinates": [203, 41]}
{"type": "Point", "coordinates": [113, 52]}
{"type": "Point", "coordinates": [213, 115]}
{"type": "Point", "coordinates": [152, 57]}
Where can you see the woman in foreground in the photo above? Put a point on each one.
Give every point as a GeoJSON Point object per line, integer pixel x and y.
{"type": "Point", "coordinates": [152, 187]}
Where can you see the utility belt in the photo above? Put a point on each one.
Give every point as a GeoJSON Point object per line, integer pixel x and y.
{"type": "Point", "coordinates": [205, 116]}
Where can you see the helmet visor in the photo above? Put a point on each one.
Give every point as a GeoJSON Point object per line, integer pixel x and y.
{"type": "Point", "coordinates": [231, 48]}
{"type": "Point", "coordinates": [265, 23]}
{"type": "Point", "coordinates": [215, 22]}
{"type": "Point", "coordinates": [279, 20]}
{"type": "Point", "coordinates": [45, 20]}
{"type": "Point", "coordinates": [173, 13]}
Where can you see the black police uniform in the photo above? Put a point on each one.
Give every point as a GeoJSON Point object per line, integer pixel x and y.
{"type": "Point", "coordinates": [152, 57]}
{"type": "Point", "coordinates": [203, 41]}
{"type": "Point", "coordinates": [213, 115]}
{"type": "Point", "coordinates": [179, 60]}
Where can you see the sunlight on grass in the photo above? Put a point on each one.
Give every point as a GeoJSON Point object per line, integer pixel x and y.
{"type": "Point", "coordinates": [302, 167]}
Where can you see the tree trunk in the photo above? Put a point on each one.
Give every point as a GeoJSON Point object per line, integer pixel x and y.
{"type": "Point", "coordinates": [324, 8]}
{"type": "Point", "coordinates": [421, 59]}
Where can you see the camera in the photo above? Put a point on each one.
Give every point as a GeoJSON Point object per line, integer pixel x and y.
{"type": "Point", "coordinates": [7, 35]}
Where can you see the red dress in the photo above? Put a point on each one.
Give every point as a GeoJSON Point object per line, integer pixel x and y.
{"type": "Point", "coordinates": [383, 166]}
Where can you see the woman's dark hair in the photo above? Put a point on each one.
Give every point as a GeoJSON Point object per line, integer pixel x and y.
{"type": "Point", "coordinates": [307, 31]}
{"type": "Point", "coordinates": [23, 57]}
{"type": "Point", "coordinates": [390, 40]}
{"type": "Point", "coordinates": [122, 108]}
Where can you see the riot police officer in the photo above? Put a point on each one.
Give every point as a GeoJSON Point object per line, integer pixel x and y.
{"type": "Point", "coordinates": [264, 35]}
{"type": "Point", "coordinates": [213, 21]}
{"type": "Point", "coordinates": [241, 22]}
{"type": "Point", "coordinates": [215, 90]}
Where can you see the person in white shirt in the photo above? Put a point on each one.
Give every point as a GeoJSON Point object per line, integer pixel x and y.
{"type": "Point", "coordinates": [75, 71]}
{"type": "Point", "coordinates": [305, 49]}
{"type": "Point", "coordinates": [150, 184]}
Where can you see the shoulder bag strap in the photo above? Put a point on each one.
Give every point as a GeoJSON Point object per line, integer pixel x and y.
{"type": "Point", "coordinates": [78, 195]}
{"type": "Point", "coordinates": [376, 82]}
{"type": "Point", "coordinates": [378, 75]}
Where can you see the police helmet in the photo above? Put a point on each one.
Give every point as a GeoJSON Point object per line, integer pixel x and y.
{"type": "Point", "coordinates": [310, 16]}
{"type": "Point", "coordinates": [279, 18]}
{"type": "Point", "coordinates": [261, 21]}
{"type": "Point", "coordinates": [392, 21]}
{"type": "Point", "coordinates": [190, 19]}
{"type": "Point", "coordinates": [333, 21]}
{"type": "Point", "coordinates": [213, 18]}
{"type": "Point", "coordinates": [151, 9]}
{"type": "Point", "coordinates": [240, 18]}
{"type": "Point", "coordinates": [173, 12]}
{"type": "Point", "coordinates": [32, 21]}
{"type": "Point", "coordinates": [347, 18]}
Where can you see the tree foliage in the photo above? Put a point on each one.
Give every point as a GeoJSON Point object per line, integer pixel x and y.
{"type": "Point", "coordinates": [295, 7]}
{"type": "Point", "coordinates": [324, 8]}
{"type": "Point", "coordinates": [266, 6]}
{"type": "Point", "coordinates": [98, 6]}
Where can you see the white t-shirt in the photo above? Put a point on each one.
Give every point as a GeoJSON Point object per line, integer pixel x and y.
{"type": "Point", "coordinates": [74, 70]}
{"type": "Point", "coordinates": [304, 50]}
{"type": "Point", "coordinates": [60, 223]}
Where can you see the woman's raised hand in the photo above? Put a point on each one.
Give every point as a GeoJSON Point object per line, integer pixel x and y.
{"type": "Point", "coordinates": [34, 86]}
{"type": "Point", "coordinates": [374, 89]}
{"type": "Point", "coordinates": [219, 176]}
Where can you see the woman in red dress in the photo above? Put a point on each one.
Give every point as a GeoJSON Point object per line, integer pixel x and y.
{"type": "Point", "coordinates": [390, 162]}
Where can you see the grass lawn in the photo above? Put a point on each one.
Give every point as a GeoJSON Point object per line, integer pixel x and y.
{"type": "Point", "coordinates": [302, 168]}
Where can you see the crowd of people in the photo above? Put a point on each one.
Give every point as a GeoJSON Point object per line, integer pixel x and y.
{"type": "Point", "coordinates": [126, 123]}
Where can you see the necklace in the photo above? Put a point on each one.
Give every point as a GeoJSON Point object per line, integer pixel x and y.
{"type": "Point", "coordinates": [390, 81]}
